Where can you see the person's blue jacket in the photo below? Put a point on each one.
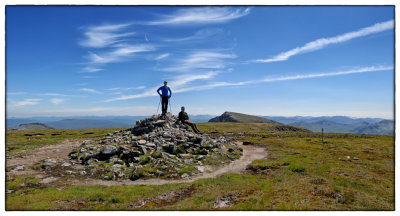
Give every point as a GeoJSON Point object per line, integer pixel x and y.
{"type": "Point", "coordinates": [164, 91]}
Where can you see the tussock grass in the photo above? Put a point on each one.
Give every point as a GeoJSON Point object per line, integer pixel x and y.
{"type": "Point", "coordinates": [345, 172]}
{"type": "Point", "coordinates": [32, 139]}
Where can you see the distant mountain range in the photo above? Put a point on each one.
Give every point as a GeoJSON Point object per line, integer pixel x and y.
{"type": "Point", "coordinates": [83, 122]}
{"type": "Point", "coordinates": [384, 127]}
{"type": "Point", "coordinates": [334, 124]}
{"type": "Point", "coordinates": [310, 119]}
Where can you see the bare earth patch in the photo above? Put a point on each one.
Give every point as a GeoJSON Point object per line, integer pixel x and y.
{"type": "Point", "coordinates": [28, 158]}
{"type": "Point", "coordinates": [61, 151]}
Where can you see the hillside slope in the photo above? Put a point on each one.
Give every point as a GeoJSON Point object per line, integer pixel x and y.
{"type": "Point", "coordinates": [239, 117]}
{"type": "Point", "coordinates": [232, 117]}
{"type": "Point", "coordinates": [385, 127]}
{"type": "Point", "coordinates": [31, 126]}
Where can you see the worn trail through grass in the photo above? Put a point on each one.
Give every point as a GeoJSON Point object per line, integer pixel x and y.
{"type": "Point", "coordinates": [29, 157]}
{"type": "Point", "coordinates": [250, 153]}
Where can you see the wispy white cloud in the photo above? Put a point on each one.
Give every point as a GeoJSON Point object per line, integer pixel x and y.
{"type": "Point", "coordinates": [136, 88]}
{"type": "Point", "coordinates": [104, 35]}
{"type": "Point", "coordinates": [118, 54]}
{"type": "Point", "coordinates": [57, 101]}
{"type": "Point", "coordinates": [89, 69]}
{"type": "Point", "coordinates": [26, 102]}
{"type": "Point", "coordinates": [180, 83]}
{"type": "Point", "coordinates": [199, 35]}
{"type": "Point", "coordinates": [162, 56]}
{"type": "Point", "coordinates": [182, 80]}
{"type": "Point", "coordinates": [98, 111]}
{"type": "Point", "coordinates": [177, 82]}
{"type": "Point", "coordinates": [113, 89]}
{"type": "Point", "coordinates": [201, 15]}
{"type": "Point", "coordinates": [323, 42]}
{"type": "Point", "coordinates": [201, 60]}
{"type": "Point", "coordinates": [90, 90]}
{"type": "Point", "coordinates": [293, 77]}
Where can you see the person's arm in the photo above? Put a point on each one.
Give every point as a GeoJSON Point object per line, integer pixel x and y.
{"type": "Point", "coordinates": [158, 91]}
{"type": "Point", "coordinates": [186, 117]}
{"type": "Point", "coordinates": [170, 92]}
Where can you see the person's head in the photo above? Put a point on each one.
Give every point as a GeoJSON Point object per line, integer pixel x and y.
{"type": "Point", "coordinates": [183, 109]}
{"type": "Point", "coordinates": [165, 83]}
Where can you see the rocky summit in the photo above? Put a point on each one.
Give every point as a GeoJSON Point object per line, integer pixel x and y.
{"type": "Point", "coordinates": [155, 147]}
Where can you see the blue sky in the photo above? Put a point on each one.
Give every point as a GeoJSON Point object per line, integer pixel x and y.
{"type": "Point", "coordinates": [264, 60]}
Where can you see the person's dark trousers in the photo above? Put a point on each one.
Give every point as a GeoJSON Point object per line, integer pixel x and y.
{"type": "Point", "coordinates": [164, 105]}
{"type": "Point", "coordinates": [193, 126]}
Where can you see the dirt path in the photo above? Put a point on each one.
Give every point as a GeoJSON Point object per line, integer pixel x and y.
{"type": "Point", "coordinates": [250, 153]}
{"type": "Point", "coordinates": [29, 158]}
{"type": "Point", "coordinates": [62, 150]}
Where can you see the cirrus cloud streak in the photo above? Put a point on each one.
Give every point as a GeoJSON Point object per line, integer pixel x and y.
{"type": "Point", "coordinates": [323, 42]}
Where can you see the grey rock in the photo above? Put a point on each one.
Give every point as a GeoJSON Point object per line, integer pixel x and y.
{"type": "Point", "coordinates": [73, 156]}
{"type": "Point", "coordinates": [185, 176]}
{"type": "Point", "coordinates": [108, 150]}
{"type": "Point", "coordinates": [48, 180]}
{"type": "Point", "coordinates": [17, 168]}
{"type": "Point", "coordinates": [116, 166]}
{"type": "Point", "coordinates": [151, 145]}
{"type": "Point", "coordinates": [66, 165]}
{"type": "Point", "coordinates": [200, 168]}
{"type": "Point", "coordinates": [86, 143]}
{"type": "Point", "coordinates": [159, 173]}
{"type": "Point", "coordinates": [143, 149]}
{"type": "Point", "coordinates": [184, 155]}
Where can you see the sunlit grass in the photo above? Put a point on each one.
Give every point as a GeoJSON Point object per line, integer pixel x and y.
{"type": "Point", "coordinates": [345, 172]}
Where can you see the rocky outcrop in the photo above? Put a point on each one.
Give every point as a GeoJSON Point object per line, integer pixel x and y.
{"type": "Point", "coordinates": [155, 147]}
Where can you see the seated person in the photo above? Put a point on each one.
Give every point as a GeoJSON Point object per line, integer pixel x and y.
{"type": "Point", "coordinates": [184, 118]}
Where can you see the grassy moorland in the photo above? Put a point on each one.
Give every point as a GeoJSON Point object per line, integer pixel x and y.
{"type": "Point", "coordinates": [345, 172]}
{"type": "Point", "coordinates": [19, 140]}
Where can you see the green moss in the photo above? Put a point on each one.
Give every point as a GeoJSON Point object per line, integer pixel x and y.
{"type": "Point", "coordinates": [156, 155]}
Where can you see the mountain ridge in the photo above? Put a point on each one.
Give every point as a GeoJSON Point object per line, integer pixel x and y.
{"type": "Point", "coordinates": [240, 117]}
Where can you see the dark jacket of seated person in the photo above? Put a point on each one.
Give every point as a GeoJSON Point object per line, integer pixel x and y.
{"type": "Point", "coordinates": [184, 118]}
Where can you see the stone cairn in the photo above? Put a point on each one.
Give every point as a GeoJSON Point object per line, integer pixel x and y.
{"type": "Point", "coordinates": [154, 147]}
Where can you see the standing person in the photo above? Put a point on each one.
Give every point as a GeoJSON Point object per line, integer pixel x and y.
{"type": "Point", "coordinates": [164, 97]}
{"type": "Point", "coordinates": [184, 118]}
